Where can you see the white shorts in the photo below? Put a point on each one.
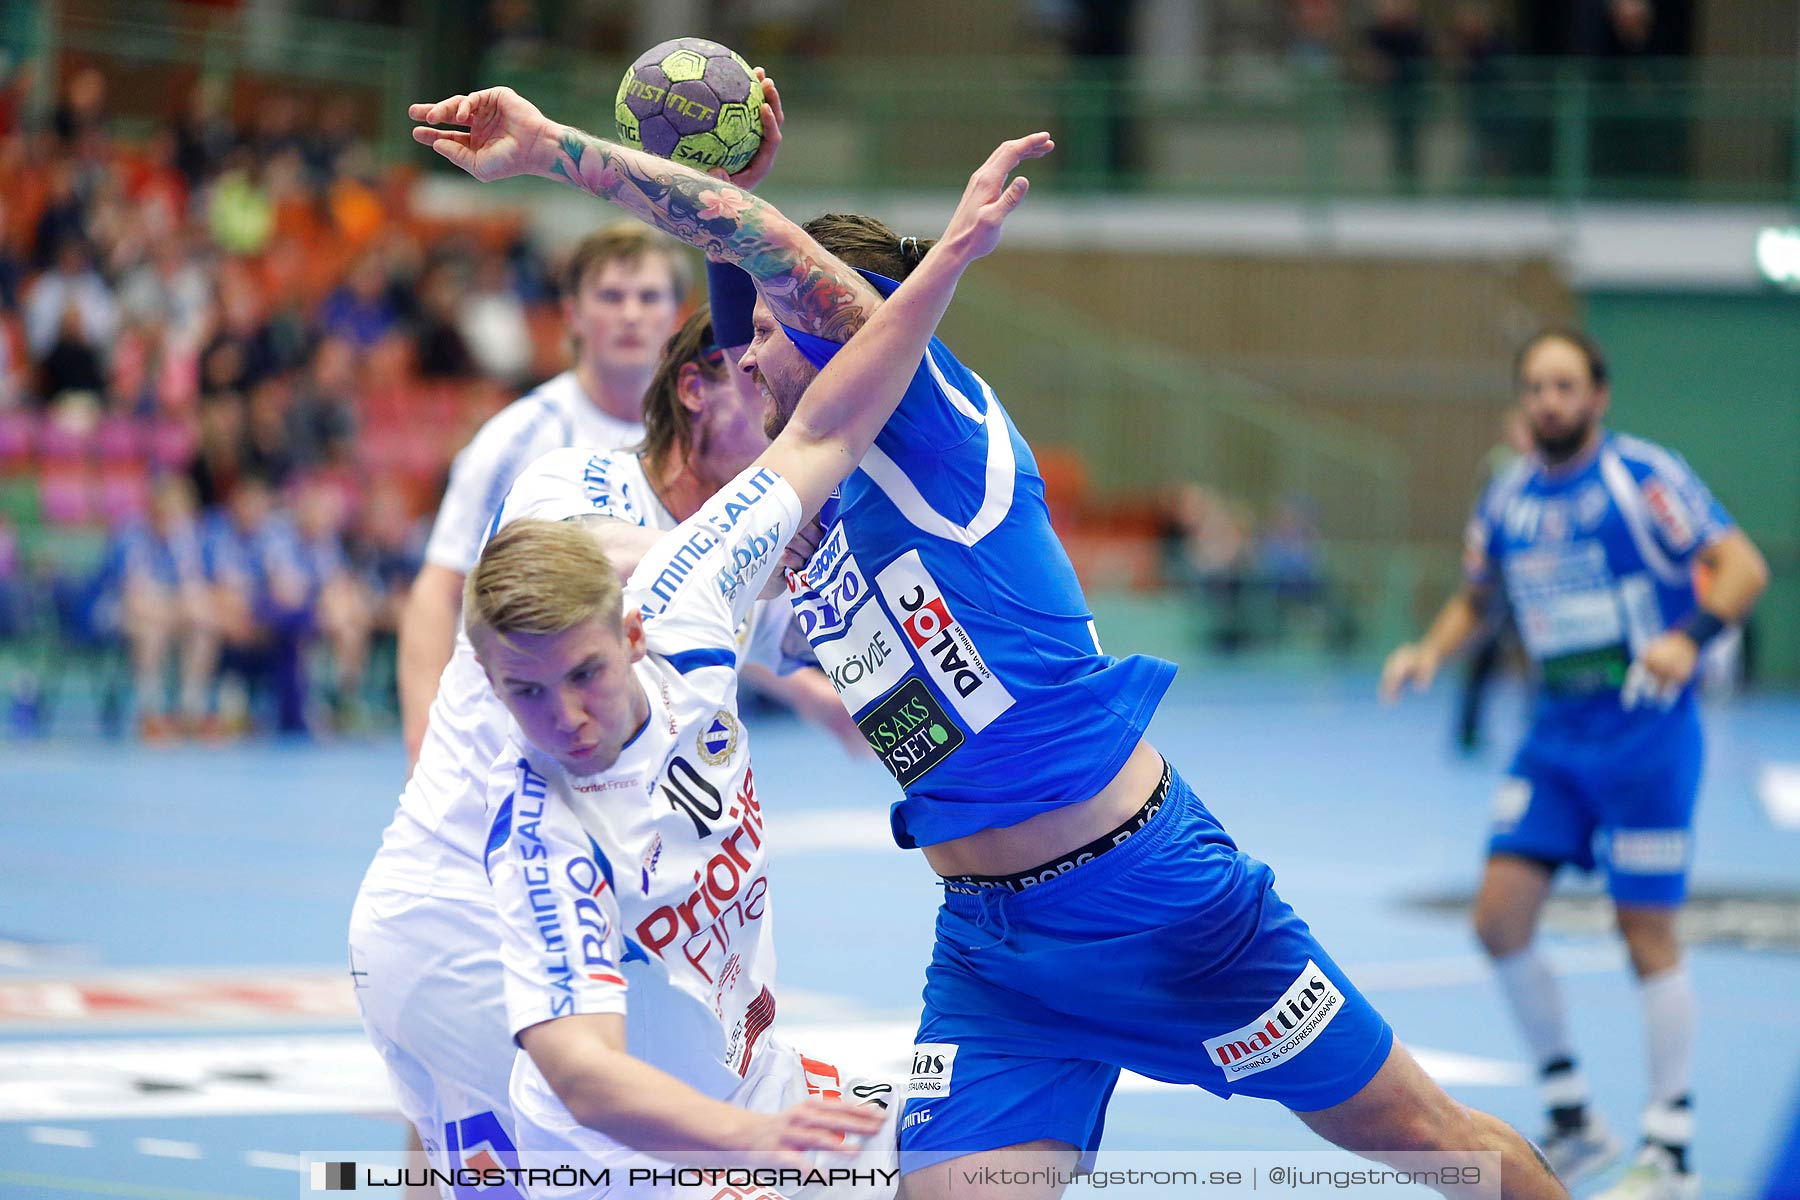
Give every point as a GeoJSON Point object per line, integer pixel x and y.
{"type": "Point", "coordinates": [429, 985]}
{"type": "Point", "coordinates": [779, 1078]}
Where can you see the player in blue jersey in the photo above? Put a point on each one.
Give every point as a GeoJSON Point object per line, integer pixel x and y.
{"type": "Point", "coordinates": [1096, 916]}
{"type": "Point", "coordinates": [1594, 539]}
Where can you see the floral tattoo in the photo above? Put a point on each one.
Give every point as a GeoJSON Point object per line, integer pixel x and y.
{"type": "Point", "coordinates": [820, 297]}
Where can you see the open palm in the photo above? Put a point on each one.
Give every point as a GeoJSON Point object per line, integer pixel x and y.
{"type": "Point", "coordinates": [988, 198]}
{"type": "Point", "coordinates": [503, 133]}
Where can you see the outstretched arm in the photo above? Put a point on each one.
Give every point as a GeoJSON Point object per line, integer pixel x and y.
{"type": "Point", "coordinates": [504, 135]}
{"type": "Point", "coordinates": [858, 390]}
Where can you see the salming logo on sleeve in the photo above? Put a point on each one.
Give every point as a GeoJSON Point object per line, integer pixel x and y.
{"type": "Point", "coordinates": [732, 540]}
{"type": "Point", "coordinates": [562, 894]}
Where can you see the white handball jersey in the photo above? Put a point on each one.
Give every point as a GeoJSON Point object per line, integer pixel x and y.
{"type": "Point", "coordinates": [649, 878]}
{"type": "Point", "coordinates": [434, 844]}
{"type": "Point", "coordinates": [555, 414]}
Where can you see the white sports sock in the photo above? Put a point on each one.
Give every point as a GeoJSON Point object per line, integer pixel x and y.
{"type": "Point", "coordinates": [1671, 1019]}
{"type": "Point", "coordinates": [1537, 1005]}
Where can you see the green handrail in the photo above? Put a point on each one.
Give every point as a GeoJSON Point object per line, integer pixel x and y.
{"type": "Point", "coordinates": [1561, 130]}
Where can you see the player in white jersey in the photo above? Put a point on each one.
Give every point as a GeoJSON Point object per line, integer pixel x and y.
{"type": "Point", "coordinates": [649, 876]}
{"type": "Point", "coordinates": [589, 698]}
{"type": "Point", "coordinates": [622, 294]}
{"type": "Point", "coordinates": [424, 934]}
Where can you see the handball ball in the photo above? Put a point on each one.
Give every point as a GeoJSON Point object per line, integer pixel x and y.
{"type": "Point", "coordinates": [694, 101]}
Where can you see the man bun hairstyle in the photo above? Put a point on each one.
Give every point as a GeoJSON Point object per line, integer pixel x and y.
{"type": "Point", "coordinates": [869, 245]}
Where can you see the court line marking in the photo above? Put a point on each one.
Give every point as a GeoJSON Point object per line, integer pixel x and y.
{"type": "Point", "coordinates": [1779, 788]}
{"type": "Point", "coordinates": [274, 1161]}
{"type": "Point", "coordinates": [49, 1135]}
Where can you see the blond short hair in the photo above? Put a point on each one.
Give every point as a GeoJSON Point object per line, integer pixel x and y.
{"type": "Point", "coordinates": [540, 577]}
{"type": "Point", "coordinates": [627, 242]}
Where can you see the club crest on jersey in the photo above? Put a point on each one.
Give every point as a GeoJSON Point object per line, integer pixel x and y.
{"type": "Point", "coordinates": [652, 857]}
{"type": "Point", "coordinates": [718, 741]}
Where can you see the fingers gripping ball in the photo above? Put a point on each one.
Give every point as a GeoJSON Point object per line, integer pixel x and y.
{"type": "Point", "coordinates": [694, 101]}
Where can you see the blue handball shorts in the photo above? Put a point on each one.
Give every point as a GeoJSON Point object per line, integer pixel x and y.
{"type": "Point", "coordinates": [1625, 801]}
{"type": "Point", "coordinates": [1170, 955]}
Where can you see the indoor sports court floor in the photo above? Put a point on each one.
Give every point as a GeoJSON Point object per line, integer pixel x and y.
{"type": "Point", "coordinates": [176, 1020]}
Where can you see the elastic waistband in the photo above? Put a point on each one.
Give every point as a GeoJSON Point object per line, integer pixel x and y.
{"type": "Point", "coordinates": [975, 885]}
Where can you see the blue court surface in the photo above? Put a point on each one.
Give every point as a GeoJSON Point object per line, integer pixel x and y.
{"type": "Point", "coordinates": [176, 1016]}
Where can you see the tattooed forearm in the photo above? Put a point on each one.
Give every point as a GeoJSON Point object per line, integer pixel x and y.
{"type": "Point", "coordinates": [820, 296]}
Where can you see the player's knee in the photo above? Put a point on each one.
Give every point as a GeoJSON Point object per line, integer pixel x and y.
{"type": "Point", "coordinates": [1650, 939]}
{"type": "Point", "coordinates": [1500, 932]}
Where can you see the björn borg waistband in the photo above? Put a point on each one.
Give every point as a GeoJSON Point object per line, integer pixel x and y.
{"type": "Point", "coordinates": [974, 885]}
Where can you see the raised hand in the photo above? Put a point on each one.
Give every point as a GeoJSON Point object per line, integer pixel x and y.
{"type": "Point", "coordinates": [974, 229]}
{"type": "Point", "coordinates": [503, 133]}
{"type": "Point", "coordinates": [758, 168]}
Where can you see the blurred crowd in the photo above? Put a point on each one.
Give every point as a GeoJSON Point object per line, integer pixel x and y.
{"type": "Point", "coordinates": [1252, 581]}
{"type": "Point", "coordinates": [1400, 49]}
{"type": "Point", "coordinates": [233, 370]}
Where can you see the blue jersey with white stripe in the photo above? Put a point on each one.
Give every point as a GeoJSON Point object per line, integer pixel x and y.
{"type": "Point", "coordinates": [947, 615]}
{"type": "Point", "coordinates": [1596, 561]}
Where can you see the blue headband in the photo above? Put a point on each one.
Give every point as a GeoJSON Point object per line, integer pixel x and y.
{"type": "Point", "coordinates": [732, 294]}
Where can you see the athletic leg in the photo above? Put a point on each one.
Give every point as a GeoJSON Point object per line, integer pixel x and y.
{"type": "Point", "coordinates": [1650, 800]}
{"type": "Point", "coordinates": [1403, 1109]}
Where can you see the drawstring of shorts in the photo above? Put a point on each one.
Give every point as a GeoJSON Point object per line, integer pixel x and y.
{"type": "Point", "coordinates": [992, 903]}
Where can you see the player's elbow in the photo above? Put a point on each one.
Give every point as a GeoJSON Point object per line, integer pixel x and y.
{"type": "Point", "coordinates": [1738, 559]}
{"type": "Point", "coordinates": [1757, 567]}
{"type": "Point", "coordinates": [580, 1058]}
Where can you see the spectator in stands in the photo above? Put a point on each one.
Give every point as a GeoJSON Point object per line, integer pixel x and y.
{"type": "Point", "coordinates": [73, 282]}
{"type": "Point", "coordinates": [1288, 557]}
{"type": "Point", "coordinates": [1401, 56]}
{"type": "Point", "coordinates": [441, 352]}
{"type": "Point", "coordinates": [514, 37]}
{"type": "Point", "coordinates": [493, 324]}
{"type": "Point", "coordinates": [12, 581]}
{"type": "Point", "coordinates": [155, 188]}
{"type": "Point", "coordinates": [1643, 133]}
{"type": "Point", "coordinates": [240, 210]}
{"type": "Point", "coordinates": [1312, 38]}
{"type": "Point", "coordinates": [277, 132]}
{"type": "Point", "coordinates": [359, 311]}
{"type": "Point", "coordinates": [12, 264]}
{"type": "Point", "coordinates": [331, 142]}
{"type": "Point", "coordinates": [321, 417]}
{"type": "Point", "coordinates": [160, 578]}
{"type": "Point", "coordinates": [1206, 543]}
{"type": "Point", "coordinates": [63, 219]}
{"type": "Point", "coordinates": [387, 551]}
{"type": "Point", "coordinates": [221, 455]}
{"type": "Point", "coordinates": [72, 364]}
{"type": "Point", "coordinates": [1490, 117]}
{"type": "Point", "coordinates": [243, 352]}
{"type": "Point", "coordinates": [169, 288]}
{"type": "Point", "coordinates": [259, 595]}
{"type": "Point", "coordinates": [204, 135]}
{"type": "Point", "coordinates": [82, 110]}
{"type": "Point", "coordinates": [12, 375]}
{"type": "Point", "coordinates": [339, 606]}
{"type": "Point", "coordinates": [270, 453]}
